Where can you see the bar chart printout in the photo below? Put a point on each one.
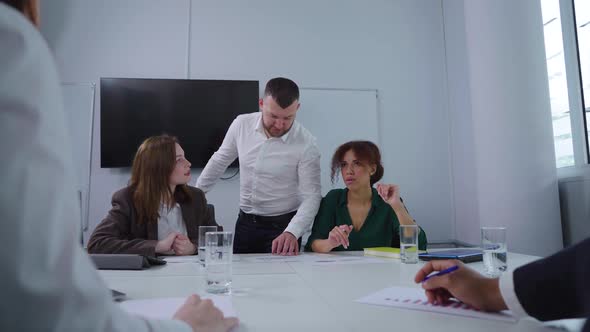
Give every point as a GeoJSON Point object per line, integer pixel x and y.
{"type": "Point", "coordinates": [415, 299]}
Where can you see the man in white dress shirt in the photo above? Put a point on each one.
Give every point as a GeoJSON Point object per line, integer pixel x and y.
{"type": "Point", "coordinates": [48, 282]}
{"type": "Point", "coordinates": [280, 189]}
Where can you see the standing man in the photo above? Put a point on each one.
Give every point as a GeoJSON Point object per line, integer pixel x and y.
{"type": "Point", "coordinates": [280, 173]}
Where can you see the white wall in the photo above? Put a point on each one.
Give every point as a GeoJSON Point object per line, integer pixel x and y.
{"type": "Point", "coordinates": [396, 47]}
{"type": "Point", "coordinates": [462, 136]}
{"type": "Point", "coordinates": [115, 39]}
{"type": "Point", "coordinates": [503, 158]}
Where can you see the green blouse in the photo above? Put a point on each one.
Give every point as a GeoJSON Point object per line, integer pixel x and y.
{"type": "Point", "coordinates": [381, 228]}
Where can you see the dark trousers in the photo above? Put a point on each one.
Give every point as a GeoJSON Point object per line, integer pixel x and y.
{"type": "Point", "coordinates": [254, 234]}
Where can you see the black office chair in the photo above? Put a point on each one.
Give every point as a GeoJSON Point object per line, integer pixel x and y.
{"type": "Point", "coordinates": [211, 210]}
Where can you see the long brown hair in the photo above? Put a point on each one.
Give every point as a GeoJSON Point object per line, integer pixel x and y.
{"type": "Point", "coordinates": [150, 177]}
{"type": "Point", "coordinates": [365, 151]}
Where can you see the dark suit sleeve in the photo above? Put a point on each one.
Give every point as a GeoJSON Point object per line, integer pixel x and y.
{"type": "Point", "coordinates": [556, 287]}
{"type": "Point", "coordinates": [113, 234]}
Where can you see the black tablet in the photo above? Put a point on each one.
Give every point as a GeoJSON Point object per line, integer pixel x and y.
{"type": "Point", "coordinates": [464, 255]}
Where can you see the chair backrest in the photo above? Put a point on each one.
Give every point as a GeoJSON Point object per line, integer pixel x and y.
{"type": "Point", "coordinates": [211, 210]}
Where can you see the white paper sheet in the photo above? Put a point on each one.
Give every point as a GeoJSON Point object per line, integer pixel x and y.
{"type": "Point", "coordinates": [182, 259]}
{"type": "Point", "coordinates": [164, 308]}
{"type": "Point", "coordinates": [315, 259]}
{"type": "Point", "coordinates": [415, 299]}
{"type": "Point", "coordinates": [190, 259]}
{"type": "Point", "coordinates": [346, 260]}
{"type": "Point", "coordinates": [279, 259]}
{"type": "Point", "coordinates": [274, 259]}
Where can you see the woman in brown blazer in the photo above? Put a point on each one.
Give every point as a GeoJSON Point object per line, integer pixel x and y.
{"type": "Point", "coordinates": [157, 213]}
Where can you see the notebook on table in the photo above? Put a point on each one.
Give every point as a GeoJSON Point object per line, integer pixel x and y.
{"type": "Point", "coordinates": [124, 261]}
{"type": "Point", "coordinates": [464, 255]}
{"type": "Point", "coordinates": [388, 252]}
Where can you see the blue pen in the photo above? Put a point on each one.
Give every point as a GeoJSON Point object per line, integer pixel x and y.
{"type": "Point", "coordinates": [443, 272]}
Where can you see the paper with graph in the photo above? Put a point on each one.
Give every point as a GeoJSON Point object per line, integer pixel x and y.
{"type": "Point", "coordinates": [315, 259]}
{"type": "Point", "coordinates": [415, 299]}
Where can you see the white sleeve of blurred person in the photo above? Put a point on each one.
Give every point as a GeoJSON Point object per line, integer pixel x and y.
{"type": "Point", "coordinates": [48, 281]}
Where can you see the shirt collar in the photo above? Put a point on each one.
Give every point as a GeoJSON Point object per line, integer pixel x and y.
{"type": "Point", "coordinates": [259, 128]}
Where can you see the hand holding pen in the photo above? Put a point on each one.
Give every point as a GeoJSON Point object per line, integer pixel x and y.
{"type": "Point", "coordinates": [338, 236]}
{"type": "Point", "coordinates": [443, 272]}
{"type": "Point", "coordinates": [455, 280]}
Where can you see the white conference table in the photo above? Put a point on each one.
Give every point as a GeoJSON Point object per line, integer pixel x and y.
{"type": "Point", "coordinates": [297, 296]}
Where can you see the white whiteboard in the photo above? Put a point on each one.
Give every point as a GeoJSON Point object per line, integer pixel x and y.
{"type": "Point", "coordinates": [78, 101]}
{"type": "Point", "coordinates": [335, 117]}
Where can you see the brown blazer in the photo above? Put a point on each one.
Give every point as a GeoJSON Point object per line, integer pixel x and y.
{"type": "Point", "coordinates": [121, 233]}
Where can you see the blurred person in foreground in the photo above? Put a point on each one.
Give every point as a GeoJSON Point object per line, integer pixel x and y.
{"type": "Point", "coordinates": [48, 281]}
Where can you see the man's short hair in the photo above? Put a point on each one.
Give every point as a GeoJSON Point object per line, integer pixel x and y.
{"type": "Point", "coordinates": [282, 90]}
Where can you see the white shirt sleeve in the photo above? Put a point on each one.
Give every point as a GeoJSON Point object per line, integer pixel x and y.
{"type": "Point", "coordinates": [310, 189]}
{"type": "Point", "coordinates": [221, 159]}
{"type": "Point", "coordinates": [48, 281]}
{"type": "Point", "coordinates": [509, 295]}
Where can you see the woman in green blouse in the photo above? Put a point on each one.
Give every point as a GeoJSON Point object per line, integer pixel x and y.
{"type": "Point", "coordinates": [360, 216]}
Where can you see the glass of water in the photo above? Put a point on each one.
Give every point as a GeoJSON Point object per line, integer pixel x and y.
{"type": "Point", "coordinates": [202, 231]}
{"type": "Point", "coordinates": [493, 244]}
{"type": "Point", "coordinates": [218, 262]}
{"type": "Point", "coordinates": [408, 241]}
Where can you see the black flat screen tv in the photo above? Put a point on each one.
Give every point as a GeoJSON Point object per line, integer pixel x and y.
{"type": "Point", "coordinates": [198, 112]}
